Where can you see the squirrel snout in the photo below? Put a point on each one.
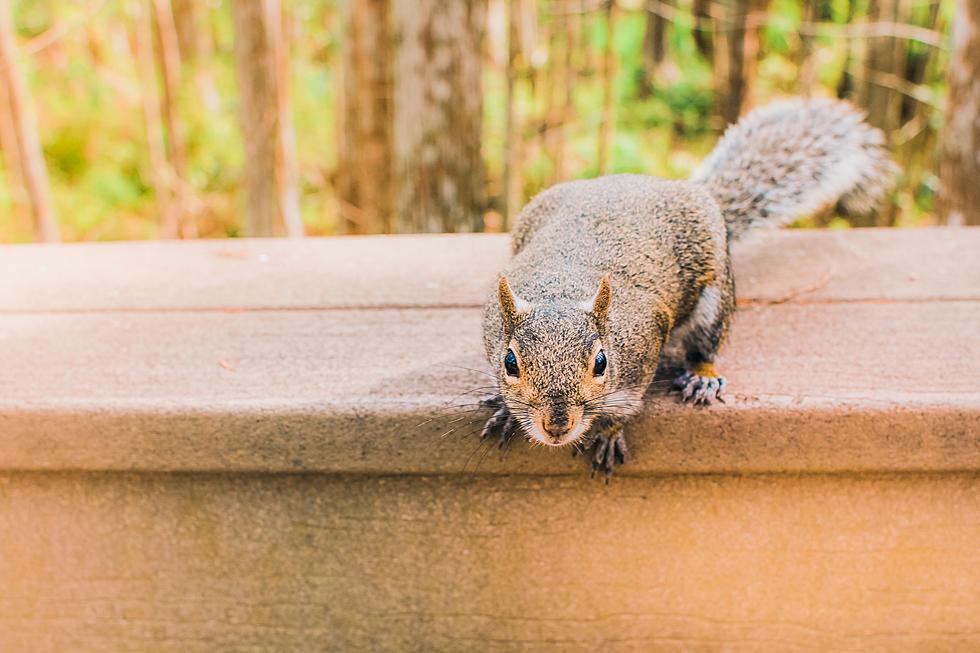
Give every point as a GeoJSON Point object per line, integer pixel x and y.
{"type": "Point", "coordinates": [556, 424]}
{"type": "Point", "coordinates": [555, 431]}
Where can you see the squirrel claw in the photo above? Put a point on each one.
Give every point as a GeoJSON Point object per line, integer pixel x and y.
{"type": "Point", "coordinates": [699, 390]}
{"type": "Point", "coordinates": [500, 423]}
{"type": "Point", "coordinates": [609, 451]}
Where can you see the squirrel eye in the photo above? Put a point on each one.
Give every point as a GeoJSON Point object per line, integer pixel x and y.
{"type": "Point", "coordinates": [600, 364]}
{"type": "Point", "coordinates": [510, 363]}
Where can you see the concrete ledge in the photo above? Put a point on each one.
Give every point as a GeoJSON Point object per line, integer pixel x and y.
{"type": "Point", "coordinates": [853, 351]}
{"type": "Point", "coordinates": [319, 394]}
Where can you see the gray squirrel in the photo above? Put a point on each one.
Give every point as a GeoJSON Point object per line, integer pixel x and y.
{"type": "Point", "coordinates": [615, 276]}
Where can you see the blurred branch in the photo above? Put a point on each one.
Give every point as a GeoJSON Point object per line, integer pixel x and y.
{"type": "Point", "coordinates": [585, 7]}
{"type": "Point", "coordinates": [894, 82]}
{"type": "Point", "coordinates": [809, 28]}
{"type": "Point", "coordinates": [56, 33]}
{"type": "Point", "coordinates": [870, 30]}
{"type": "Point", "coordinates": [59, 31]}
{"type": "Point", "coordinates": [910, 130]}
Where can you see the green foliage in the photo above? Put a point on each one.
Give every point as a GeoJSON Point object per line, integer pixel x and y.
{"type": "Point", "coordinates": [87, 95]}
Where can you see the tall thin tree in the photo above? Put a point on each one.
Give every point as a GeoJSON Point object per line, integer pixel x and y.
{"type": "Point", "coordinates": [806, 61]}
{"type": "Point", "coordinates": [960, 165]}
{"type": "Point", "coordinates": [845, 86]}
{"type": "Point", "coordinates": [365, 176]}
{"type": "Point", "coordinates": [703, 28]}
{"type": "Point", "coordinates": [607, 124]}
{"type": "Point", "coordinates": [161, 174]}
{"type": "Point", "coordinates": [197, 47]}
{"type": "Point", "coordinates": [258, 59]}
{"type": "Point", "coordinates": [513, 152]}
{"type": "Point", "coordinates": [884, 61]}
{"type": "Point", "coordinates": [560, 82]}
{"type": "Point", "coordinates": [736, 50]}
{"type": "Point", "coordinates": [168, 55]}
{"type": "Point", "coordinates": [572, 33]}
{"type": "Point", "coordinates": [287, 165]}
{"type": "Point", "coordinates": [32, 171]}
{"type": "Point", "coordinates": [655, 40]}
{"type": "Point", "coordinates": [20, 203]}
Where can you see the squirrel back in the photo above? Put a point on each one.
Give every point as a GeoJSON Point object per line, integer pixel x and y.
{"type": "Point", "coordinates": [612, 277]}
{"type": "Point", "coordinates": [790, 159]}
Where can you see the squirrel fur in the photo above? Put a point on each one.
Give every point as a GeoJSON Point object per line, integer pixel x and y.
{"type": "Point", "coordinates": [613, 277]}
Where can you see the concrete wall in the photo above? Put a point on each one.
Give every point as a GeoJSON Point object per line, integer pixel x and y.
{"type": "Point", "coordinates": [214, 446]}
{"type": "Point", "coordinates": [481, 563]}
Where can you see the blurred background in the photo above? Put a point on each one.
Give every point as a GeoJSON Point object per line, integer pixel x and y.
{"type": "Point", "coordinates": [141, 119]}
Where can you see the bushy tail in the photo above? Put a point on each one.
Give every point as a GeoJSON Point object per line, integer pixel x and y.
{"type": "Point", "coordinates": [790, 159]}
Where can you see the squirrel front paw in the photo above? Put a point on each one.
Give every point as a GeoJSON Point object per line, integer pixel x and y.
{"type": "Point", "coordinates": [702, 386]}
{"type": "Point", "coordinates": [608, 450]}
{"type": "Point", "coordinates": [501, 424]}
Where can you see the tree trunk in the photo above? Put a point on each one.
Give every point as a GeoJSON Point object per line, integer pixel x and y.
{"type": "Point", "coordinates": [845, 87]}
{"type": "Point", "coordinates": [561, 80]}
{"type": "Point", "coordinates": [33, 170]}
{"type": "Point", "coordinates": [365, 120]}
{"type": "Point", "coordinates": [288, 167]}
{"type": "Point", "coordinates": [169, 61]}
{"type": "Point", "coordinates": [882, 60]}
{"type": "Point", "coordinates": [160, 172]}
{"type": "Point", "coordinates": [918, 59]}
{"type": "Point", "coordinates": [654, 48]}
{"type": "Point", "coordinates": [410, 126]}
{"type": "Point", "coordinates": [197, 47]}
{"type": "Point", "coordinates": [736, 51]}
{"type": "Point", "coordinates": [512, 182]}
{"type": "Point", "coordinates": [572, 32]}
{"type": "Point", "coordinates": [607, 128]}
{"type": "Point", "coordinates": [192, 41]}
{"type": "Point", "coordinates": [20, 203]}
{"type": "Point", "coordinates": [814, 11]}
{"type": "Point", "coordinates": [960, 165]}
{"type": "Point", "coordinates": [438, 115]}
{"type": "Point", "coordinates": [807, 65]}
{"type": "Point", "coordinates": [255, 59]}
{"type": "Point", "coordinates": [703, 29]}
{"type": "Point", "coordinates": [726, 62]}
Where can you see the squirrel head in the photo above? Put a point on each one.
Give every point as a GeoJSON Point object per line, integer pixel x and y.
{"type": "Point", "coordinates": [555, 368]}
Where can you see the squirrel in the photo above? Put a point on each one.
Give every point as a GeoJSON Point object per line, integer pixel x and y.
{"type": "Point", "coordinates": [613, 277]}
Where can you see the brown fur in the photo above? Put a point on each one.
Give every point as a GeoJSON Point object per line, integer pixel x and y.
{"type": "Point", "coordinates": [650, 257]}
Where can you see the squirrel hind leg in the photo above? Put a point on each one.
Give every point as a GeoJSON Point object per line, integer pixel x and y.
{"type": "Point", "coordinates": [699, 338]}
{"type": "Point", "coordinates": [700, 389]}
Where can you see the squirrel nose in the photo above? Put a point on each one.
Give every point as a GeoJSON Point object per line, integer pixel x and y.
{"type": "Point", "coordinates": [555, 431]}
{"type": "Point", "coordinates": [556, 424]}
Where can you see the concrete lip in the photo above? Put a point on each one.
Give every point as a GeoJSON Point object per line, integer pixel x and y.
{"type": "Point", "coordinates": [853, 351]}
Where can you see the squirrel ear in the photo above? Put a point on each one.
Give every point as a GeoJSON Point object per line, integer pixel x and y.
{"type": "Point", "coordinates": [599, 305]}
{"type": "Point", "coordinates": [511, 306]}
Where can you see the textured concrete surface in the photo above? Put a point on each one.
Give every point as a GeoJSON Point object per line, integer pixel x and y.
{"type": "Point", "coordinates": [127, 357]}
{"type": "Point", "coordinates": [192, 563]}
{"type": "Point", "coordinates": [830, 387]}
{"type": "Point", "coordinates": [268, 446]}
{"type": "Point", "coordinates": [451, 270]}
